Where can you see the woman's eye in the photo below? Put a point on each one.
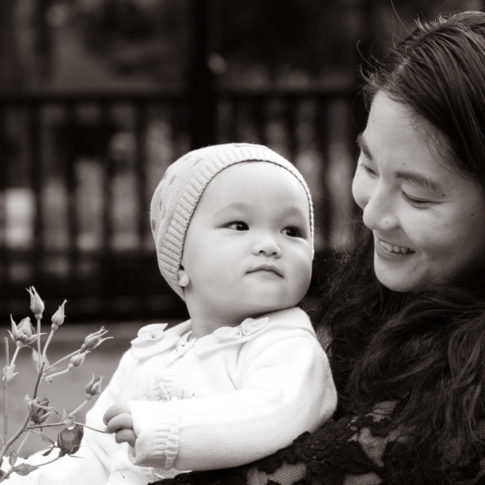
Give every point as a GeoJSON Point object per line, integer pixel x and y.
{"type": "Point", "coordinates": [368, 170]}
{"type": "Point", "coordinates": [238, 226]}
{"type": "Point", "coordinates": [292, 231]}
{"type": "Point", "coordinates": [419, 203]}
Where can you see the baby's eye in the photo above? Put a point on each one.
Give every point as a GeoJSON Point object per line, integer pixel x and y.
{"type": "Point", "coordinates": [292, 231]}
{"type": "Point", "coordinates": [238, 226]}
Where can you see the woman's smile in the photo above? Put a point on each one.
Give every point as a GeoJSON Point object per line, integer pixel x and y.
{"type": "Point", "coordinates": [387, 249]}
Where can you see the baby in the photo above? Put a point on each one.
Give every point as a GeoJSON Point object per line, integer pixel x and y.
{"type": "Point", "coordinates": [233, 228]}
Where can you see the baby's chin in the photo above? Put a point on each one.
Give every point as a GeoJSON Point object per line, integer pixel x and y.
{"type": "Point", "coordinates": [261, 310]}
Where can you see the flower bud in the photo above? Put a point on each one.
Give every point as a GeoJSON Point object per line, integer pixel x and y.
{"type": "Point", "coordinates": [76, 360]}
{"type": "Point", "coordinates": [69, 439]}
{"type": "Point", "coordinates": [25, 468]}
{"type": "Point", "coordinates": [93, 387]}
{"type": "Point", "coordinates": [40, 410]}
{"type": "Point", "coordinates": [94, 340]}
{"type": "Point", "coordinates": [23, 333]}
{"type": "Point", "coordinates": [58, 318]}
{"type": "Point", "coordinates": [8, 373]}
{"type": "Point", "coordinates": [36, 304]}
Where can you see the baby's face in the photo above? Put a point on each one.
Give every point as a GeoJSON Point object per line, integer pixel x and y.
{"type": "Point", "coordinates": [248, 248]}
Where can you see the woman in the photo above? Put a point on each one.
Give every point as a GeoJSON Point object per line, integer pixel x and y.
{"type": "Point", "coordinates": [403, 318]}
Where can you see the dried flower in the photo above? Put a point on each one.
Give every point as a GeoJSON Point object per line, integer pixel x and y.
{"type": "Point", "coordinates": [23, 333]}
{"type": "Point", "coordinates": [24, 469]}
{"type": "Point", "coordinates": [26, 334]}
{"type": "Point", "coordinates": [94, 340]}
{"type": "Point", "coordinates": [58, 318]}
{"type": "Point", "coordinates": [36, 304]}
{"type": "Point", "coordinates": [12, 459]}
{"type": "Point", "coordinates": [93, 387]}
{"type": "Point", "coordinates": [9, 373]}
{"type": "Point", "coordinates": [76, 360]}
{"type": "Point", "coordinates": [69, 439]}
{"type": "Point", "coordinates": [40, 410]}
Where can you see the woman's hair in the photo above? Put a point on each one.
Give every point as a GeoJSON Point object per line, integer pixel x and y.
{"type": "Point", "coordinates": [438, 73]}
{"type": "Point", "coordinates": [425, 350]}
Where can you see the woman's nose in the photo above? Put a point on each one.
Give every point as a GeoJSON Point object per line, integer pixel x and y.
{"type": "Point", "coordinates": [378, 211]}
{"type": "Point", "coordinates": [267, 246]}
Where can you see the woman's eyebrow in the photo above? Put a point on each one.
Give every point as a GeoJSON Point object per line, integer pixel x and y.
{"type": "Point", "coordinates": [421, 180]}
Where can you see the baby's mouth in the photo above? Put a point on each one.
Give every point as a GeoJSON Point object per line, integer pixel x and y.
{"type": "Point", "coordinates": [266, 268]}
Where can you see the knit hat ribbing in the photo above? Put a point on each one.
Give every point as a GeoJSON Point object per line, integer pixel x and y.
{"type": "Point", "coordinates": [183, 183]}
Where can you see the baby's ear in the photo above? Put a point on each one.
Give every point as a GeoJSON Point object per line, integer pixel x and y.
{"type": "Point", "coordinates": [183, 278]}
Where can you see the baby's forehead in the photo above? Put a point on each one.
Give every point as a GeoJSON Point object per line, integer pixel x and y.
{"type": "Point", "coordinates": [253, 169]}
{"type": "Point", "coordinates": [255, 185]}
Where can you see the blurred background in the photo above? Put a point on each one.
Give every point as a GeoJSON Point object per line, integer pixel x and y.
{"type": "Point", "coordinates": [97, 97]}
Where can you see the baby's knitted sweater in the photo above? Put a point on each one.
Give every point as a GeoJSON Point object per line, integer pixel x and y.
{"type": "Point", "coordinates": [228, 398]}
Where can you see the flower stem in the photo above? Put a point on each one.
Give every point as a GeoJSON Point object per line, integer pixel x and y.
{"type": "Point", "coordinates": [38, 318]}
{"type": "Point", "coordinates": [65, 371]}
{"type": "Point", "coordinates": [53, 425]}
{"type": "Point", "coordinates": [48, 341]}
{"type": "Point", "coordinates": [24, 425]}
{"type": "Point", "coordinates": [91, 428]}
{"type": "Point", "coordinates": [5, 395]}
{"type": "Point", "coordinates": [79, 407]}
{"type": "Point", "coordinates": [12, 470]}
{"type": "Point", "coordinates": [14, 358]}
{"type": "Point", "coordinates": [62, 359]}
{"type": "Point", "coordinates": [22, 443]}
{"type": "Point", "coordinates": [45, 425]}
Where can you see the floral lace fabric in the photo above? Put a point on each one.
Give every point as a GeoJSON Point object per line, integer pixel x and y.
{"type": "Point", "coordinates": [354, 450]}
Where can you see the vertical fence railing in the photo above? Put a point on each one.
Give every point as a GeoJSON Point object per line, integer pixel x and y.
{"type": "Point", "coordinates": [123, 280]}
{"type": "Point", "coordinates": [3, 203]}
{"type": "Point", "coordinates": [36, 175]}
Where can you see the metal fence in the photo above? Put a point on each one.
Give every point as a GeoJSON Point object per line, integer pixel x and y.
{"type": "Point", "coordinates": [78, 170]}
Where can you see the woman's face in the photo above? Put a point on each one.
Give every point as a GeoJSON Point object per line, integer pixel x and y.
{"type": "Point", "coordinates": [428, 220]}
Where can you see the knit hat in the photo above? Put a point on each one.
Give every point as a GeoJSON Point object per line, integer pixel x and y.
{"type": "Point", "coordinates": [183, 183]}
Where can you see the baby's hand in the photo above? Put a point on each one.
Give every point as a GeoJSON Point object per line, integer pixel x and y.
{"type": "Point", "coordinates": [118, 420]}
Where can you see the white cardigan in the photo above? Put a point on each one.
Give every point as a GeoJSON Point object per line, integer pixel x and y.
{"type": "Point", "coordinates": [225, 399]}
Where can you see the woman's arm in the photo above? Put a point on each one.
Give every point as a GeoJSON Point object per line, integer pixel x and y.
{"type": "Point", "coordinates": [349, 451]}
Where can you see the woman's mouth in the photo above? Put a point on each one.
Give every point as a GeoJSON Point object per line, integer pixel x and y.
{"type": "Point", "coordinates": [385, 248]}
{"type": "Point", "coordinates": [393, 248]}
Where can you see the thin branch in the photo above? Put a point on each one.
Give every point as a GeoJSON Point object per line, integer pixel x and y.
{"type": "Point", "coordinates": [38, 319]}
{"type": "Point", "coordinates": [48, 341]}
{"type": "Point", "coordinates": [12, 470]}
{"type": "Point", "coordinates": [22, 428]}
{"type": "Point", "coordinates": [79, 407]}
{"type": "Point", "coordinates": [62, 359]}
{"type": "Point", "coordinates": [5, 394]}
{"type": "Point", "coordinates": [91, 428]}
{"type": "Point", "coordinates": [14, 358]}
{"type": "Point", "coordinates": [57, 374]}
{"type": "Point", "coordinates": [22, 443]}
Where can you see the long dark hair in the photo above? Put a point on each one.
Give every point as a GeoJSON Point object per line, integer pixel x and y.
{"type": "Point", "coordinates": [425, 350]}
{"type": "Point", "coordinates": [437, 73]}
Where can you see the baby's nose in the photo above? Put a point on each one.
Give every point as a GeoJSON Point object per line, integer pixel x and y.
{"type": "Point", "coordinates": [267, 247]}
